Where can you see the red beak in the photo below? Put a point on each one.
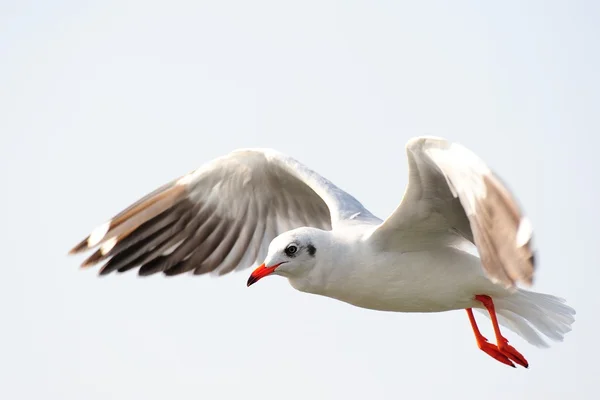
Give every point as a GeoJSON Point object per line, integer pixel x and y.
{"type": "Point", "coordinates": [260, 273]}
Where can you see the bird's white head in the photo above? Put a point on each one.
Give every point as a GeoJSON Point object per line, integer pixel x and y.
{"type": "Point", "coordinates": [292, 254]}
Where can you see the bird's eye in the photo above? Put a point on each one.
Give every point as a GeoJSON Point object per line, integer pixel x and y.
{"type": "Point", "coordinates": [291, 250]}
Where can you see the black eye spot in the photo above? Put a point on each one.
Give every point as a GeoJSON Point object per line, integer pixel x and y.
{"type": "Point", "coordinates": [291, 250]}
{"type": "Point", "coordinates": [311, 250]}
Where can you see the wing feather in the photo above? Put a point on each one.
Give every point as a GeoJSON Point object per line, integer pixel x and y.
{"type": "Point", "coordinates": [242, 245]}
{"type": "Point", "coordinates": [218, 218]}
{"type": "Point", "coordinates": [450, 189]}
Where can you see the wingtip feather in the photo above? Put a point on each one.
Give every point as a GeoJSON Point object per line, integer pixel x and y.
{"type": "Point", "coordinates": [93, 259]}
{"type": "Point", "coordinates": [98, 234]}
{"type": "Point", "coordinates": [92, 240]}
{"type": "Point", "coordinates": [80, 247]}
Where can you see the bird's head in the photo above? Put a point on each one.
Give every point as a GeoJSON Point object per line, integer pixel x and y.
{"type": "Point", "coordinates": [292, 254]}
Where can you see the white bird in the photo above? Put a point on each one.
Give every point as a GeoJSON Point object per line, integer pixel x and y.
{"type": "Point", "coordinates": [458, 239]}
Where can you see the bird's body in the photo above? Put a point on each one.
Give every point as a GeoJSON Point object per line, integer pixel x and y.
{"type": "Point", "coordinates": [458, 240]}
{"type": "Point", "coordinates": [438, 277]}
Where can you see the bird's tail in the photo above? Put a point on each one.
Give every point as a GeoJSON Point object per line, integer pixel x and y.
{"type": "Point", "coordinates": [528, 314]}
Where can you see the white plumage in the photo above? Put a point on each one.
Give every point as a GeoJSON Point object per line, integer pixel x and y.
{"type": "Point", "coordinates": [458, 239]}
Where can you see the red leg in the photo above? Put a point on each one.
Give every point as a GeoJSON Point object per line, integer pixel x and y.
{"type": "Point", "coordinates": [501, 341]}
{"type": "Point", "coordinates": [484, 345]}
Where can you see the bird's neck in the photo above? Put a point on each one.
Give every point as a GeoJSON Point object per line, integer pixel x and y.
{"type": "Point", "coordinates": [336, 258]}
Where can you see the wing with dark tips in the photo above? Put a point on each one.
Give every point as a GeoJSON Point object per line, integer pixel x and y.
{"type": "Point", "coordinates": [218, 218]}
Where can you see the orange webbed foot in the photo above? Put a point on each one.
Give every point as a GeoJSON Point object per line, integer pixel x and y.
{"type": "Point", "coordinates": [493, 351]}
{"type": "Point", "coordinates": [513, 354]}
{"type": "Point", "coordinates": [502, 352]}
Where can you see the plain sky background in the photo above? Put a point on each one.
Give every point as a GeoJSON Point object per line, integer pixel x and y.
{"type": "Point", "coordinates": [101, 102]}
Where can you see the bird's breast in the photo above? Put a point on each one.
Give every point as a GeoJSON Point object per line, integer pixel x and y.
{"type": "Point", "coordinates": [424, 281]}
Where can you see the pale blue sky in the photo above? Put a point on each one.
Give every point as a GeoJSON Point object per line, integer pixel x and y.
{"type": "Point", "coordinates": [104, 101]}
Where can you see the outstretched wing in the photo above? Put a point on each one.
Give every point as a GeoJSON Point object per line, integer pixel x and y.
{"type": "Point", "coordinates": [218, 218]}
{"type": "Point", "coordinates": [451, 189]}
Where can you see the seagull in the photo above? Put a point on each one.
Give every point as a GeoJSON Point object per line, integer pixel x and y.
{"type": "Point", "coordinates": [457, 241]}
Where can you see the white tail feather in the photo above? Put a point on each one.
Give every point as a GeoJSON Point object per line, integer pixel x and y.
{"type": "Point", "coordinates": [523, 311]}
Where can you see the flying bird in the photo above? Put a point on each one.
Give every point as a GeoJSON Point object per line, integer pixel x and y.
{"type": "Point", "coordinates": [458, 239]}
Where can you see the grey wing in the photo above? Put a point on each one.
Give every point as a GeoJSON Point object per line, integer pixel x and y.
{"type": "Point", "coordinates": [451, 189]}
{"type": "Point", "coordinates": [218, 218]}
